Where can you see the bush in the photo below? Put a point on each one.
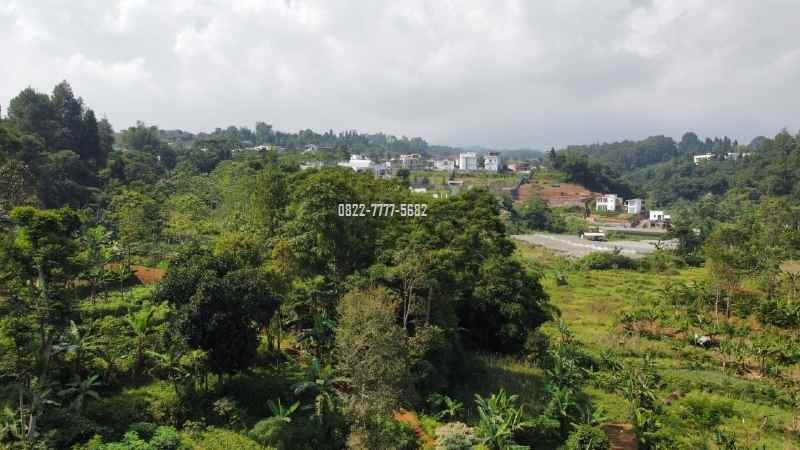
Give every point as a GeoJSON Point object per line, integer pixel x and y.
{"type": "Point", "coordinates": [166, 438]}
{"type": "Point", "coordinates": [587, 437]}
{"type": "Point", "coordinates": [606, 261]}
{"type": "Point", "coordinates": [705, 411]}
{"type": "Point", "coordinates": [383, 433]}
{"type": "Point", "coordinates": [454, 436]}
{"type": "Point", "coordinates": [145, 430]}
{"type": "Point", "coordinates": [662, 261]}
{"type": "Point", "coordinates": [536, 346]}
{"type": "Point", "coordinates": [273, 431]}
{"type": "Point", "coordinates": [220, 439]}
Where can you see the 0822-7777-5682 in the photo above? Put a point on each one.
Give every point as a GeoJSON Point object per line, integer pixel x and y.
{"type": "Point", "coordinates": [382, 210]}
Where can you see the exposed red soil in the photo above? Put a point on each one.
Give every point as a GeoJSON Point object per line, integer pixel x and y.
{"type": "Point", "coordinates": [565, 194]}
{"type": "Point", "coordinates": [621, 435]}
{"type": "Point", "coordinates": [143, 274]}
{"type": "Point", "coordinates": [409, 418]}
{"type": "Point", "coordinates": [148, 275]}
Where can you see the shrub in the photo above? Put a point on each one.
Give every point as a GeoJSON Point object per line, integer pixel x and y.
{"type": "Point", "coordinates": [587, 437]}
{"type": "Point", "coordinates": [705, 411]}
{"type": "Point", "coordinates": [144, 429]}
{"type": "Point", "coordinates": [536, 346]}
{"type": "Point", "coordinates": [383, 433]}
{"type": "Point", "coordinates": [166, 438]}
{"type": "Point", "coordinates": [221, 439]}
{"type": "Point", "coordinates": [606, 261]}
{"type": "Point", "coordinates": [272, 431]}
{"type": "Point", "coordinates": [454, 436]}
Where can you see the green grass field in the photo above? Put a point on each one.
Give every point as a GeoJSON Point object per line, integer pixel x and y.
{"type": "Point", "coordinates": [590, 304]}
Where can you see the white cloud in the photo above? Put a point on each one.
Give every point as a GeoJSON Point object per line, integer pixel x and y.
{"type": "Point", "coordinates": [505, 73]}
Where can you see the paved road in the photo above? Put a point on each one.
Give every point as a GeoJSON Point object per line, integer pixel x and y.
{"type": "Point", "coordinates": [574, 246]}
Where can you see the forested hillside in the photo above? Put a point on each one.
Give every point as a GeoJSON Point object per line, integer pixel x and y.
{"type": "Point", "coordinates": [663, 170]}
{"type": "Point", "coordinates": [166, 290]}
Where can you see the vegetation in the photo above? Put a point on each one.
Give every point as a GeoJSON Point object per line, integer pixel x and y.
{"type": "Point", "coordinates": [164, 290]}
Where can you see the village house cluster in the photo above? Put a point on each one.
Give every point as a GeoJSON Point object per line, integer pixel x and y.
{"type": "Point", "coordinates": [733, 156]}
{"type": "Point", "coordinates": [635, 206]}
{"type": "Point", "coordinates": [463, 162]}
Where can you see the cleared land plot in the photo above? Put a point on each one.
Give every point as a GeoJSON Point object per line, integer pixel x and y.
{"type": "Point", "coordinates": [573, 246]}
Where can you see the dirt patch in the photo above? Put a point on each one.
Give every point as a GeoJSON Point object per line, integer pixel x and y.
{"type": "Point", "coordinates": [148, 275]}
{"type": "Point", "coordinates": [563, 194]}
{"type": "Point", "coordinates": [409, 418]}
{"type": "Point", "coordinates": [621, 436]}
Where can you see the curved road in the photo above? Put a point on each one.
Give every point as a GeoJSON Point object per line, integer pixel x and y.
{"type": "Point", "coordinates": [570, 245]}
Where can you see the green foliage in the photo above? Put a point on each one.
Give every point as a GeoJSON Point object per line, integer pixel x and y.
{"type": "Point", "coordinates": [454, 436]}
{"type": "Point", "coordinates": [607, 261]}
{"type": "Point", "coordinates": [593, 175]}
{"type": "Point", "coordinates": [371, 353]}
{"type": "Point", "coordinates": [703, 411]}
{"type": "Point", "coordinates": [221, 439]}
{"type": "Point", "coordinates": [499, 419]}
{"type": "Point", "coordinates": [537, 215]}
{"type": "Point", "coordinates": [60, 144]}
{"type": "Point", "coordinates": [273, 432]}
{"type": "Point", "coordinates": [587, 437]}
{"type": "Point", "coordinates": [383, 433]}
{"type": "Point", "coordinates": [220, 306]}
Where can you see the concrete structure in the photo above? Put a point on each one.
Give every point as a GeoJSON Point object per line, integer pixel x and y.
{"type": "Point", "coordinates": [607, 202]}
{"type": "Point", "coordinates": [491, 162]}
{"type": "Point", "coordinates": [704, 157]}
{"type": "Point", "coordinates": [658, 216]}
{"type": "Point", "coordinates": [734, 156]}
{"type": "Point", "coordinates": [411, 161]}
{"type": "Point", "coordinates": [444, 164]}
{"type": "Point", "coordinates": [633, 206]}
{"type": "Point", "coordinates": [519, 167]}
{"type": "Point", "coordinates": [468, 161]}
{"type": "Point", "coordinates": [312, 165]}
{"type": "Point", "coordinates": [359, 163]}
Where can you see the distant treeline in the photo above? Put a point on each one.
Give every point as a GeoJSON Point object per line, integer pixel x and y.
{"type": "Point", "coordinates": [663, 170]}
{"type": "Point", "coordinates": [376, 144]}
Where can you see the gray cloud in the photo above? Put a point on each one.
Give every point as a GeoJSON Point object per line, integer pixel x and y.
{"type": "Point", "coordinates": [496, 73]}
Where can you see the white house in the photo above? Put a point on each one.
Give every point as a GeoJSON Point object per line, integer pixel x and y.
{"type": "Point", "coordinates": [359, 163]}
{"type": "Point", "coordinates": [491, 162]}
{"type": "Point", "coordinates": [444, 164]}
{"type": "Point", "coordinates": [734, 156]}
{"type": "Point", "coordinates": [607, 202]}
{"type": "Point", "coordinates": [658, 216]}
{"type": "Point", "coordinates": [704, 157]}
{"type": "Point", "coordinates": [633, 206]}
{"type": "Point", "coordinates": [411, 161]}
{"type": "Point", "coordinates": [312, 165]}
{"type": "Point", "coordinates": [468, 161]}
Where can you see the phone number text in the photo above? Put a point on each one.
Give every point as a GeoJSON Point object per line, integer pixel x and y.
{"type": "Point", "coordinates": [383, 210]}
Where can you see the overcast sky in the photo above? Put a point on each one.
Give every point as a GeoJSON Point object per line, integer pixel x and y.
{"type": "Point", "coordinates": [494, 73]}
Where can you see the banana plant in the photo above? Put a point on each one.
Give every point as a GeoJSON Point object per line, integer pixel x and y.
{"type": "Point", "coordinates": [281, 412]}
{"type": "Point", "coordinates": [499, 419]}
{"type": "Point", "coordinates": [80, 390]}
{"type": "Point", "coordinates": [320, 382]}
{"type": "Point", "coordinates": [142, 324]}
{"type": "Point", "coordinates": [446, 405]}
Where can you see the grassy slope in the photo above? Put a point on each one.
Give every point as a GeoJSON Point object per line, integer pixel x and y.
{"type": "Point", "coordinates": [590, 304]}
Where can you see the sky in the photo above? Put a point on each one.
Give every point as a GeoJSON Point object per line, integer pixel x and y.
{"type": "Point", "coordinates": [495, 73]}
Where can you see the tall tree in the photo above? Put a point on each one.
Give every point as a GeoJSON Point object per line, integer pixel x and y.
{"type": "Point", "coordinates": [32, 112]}
{"type": "Point", "coordinates": [68, 113]}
